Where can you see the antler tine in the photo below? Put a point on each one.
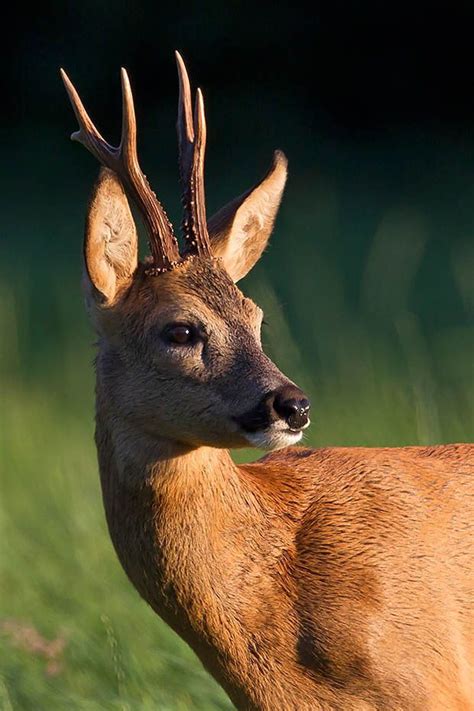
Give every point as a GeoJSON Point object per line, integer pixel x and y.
{"type": "Point", "coordinates": [197, 182]}
{"type": "Point", "coordinates": [87, 134]}
{"type": "Point", "coordinates": [192, 145]}
{"type": "Point", "coordinates": [185, 109]}
{"type": "Point", "coordinates": [123, 160]}
{"type": "Point", "coordinates": [128, 138]}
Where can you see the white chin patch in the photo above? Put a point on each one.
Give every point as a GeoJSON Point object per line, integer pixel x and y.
{"type": "Point", "coordinates": [273, 438]}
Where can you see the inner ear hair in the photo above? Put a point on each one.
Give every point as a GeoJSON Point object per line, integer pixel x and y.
{"type": "Point", "coordinates": [110, 241]}
{"type": "Point", "coordinates": [240, 231]}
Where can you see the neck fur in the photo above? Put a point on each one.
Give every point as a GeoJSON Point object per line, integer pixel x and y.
{"type": "Point", "coordinates": [179, 520]}
{"type": "Point", "coordinates": [201, 542]}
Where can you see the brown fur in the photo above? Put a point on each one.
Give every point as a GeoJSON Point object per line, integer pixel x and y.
{"type": "Point", "coordinates": [331, 579]}
{"type": "Point", "coordinates": [313, 579]}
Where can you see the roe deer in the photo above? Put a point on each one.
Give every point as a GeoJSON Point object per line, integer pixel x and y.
{"type": "Point", "coordinates": [331, 579]}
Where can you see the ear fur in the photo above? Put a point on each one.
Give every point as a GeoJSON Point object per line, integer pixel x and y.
{"type": "Point", "coordinates": [239, 232]}
{"type": "Point", "coordinates": [110, 241]}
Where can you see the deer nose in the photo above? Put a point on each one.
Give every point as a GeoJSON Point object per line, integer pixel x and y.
{"type": "Point", "coordinates": [292, 405]}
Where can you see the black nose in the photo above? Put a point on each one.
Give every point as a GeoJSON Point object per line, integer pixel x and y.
{"type": "Point", "coordinates": [292, 405]}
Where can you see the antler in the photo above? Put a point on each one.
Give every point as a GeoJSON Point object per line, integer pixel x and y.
{"type": "Point", "coordinates": [192, 147]}
{"type": "Point", "coordinates": [123, 160]}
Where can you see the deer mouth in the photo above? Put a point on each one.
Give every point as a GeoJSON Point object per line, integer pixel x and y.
{"type": "Point", "coordinates": [254, 421]}
{"type": "Point", "coordinates": [275, 436]}
{"type": "Point", "coordinates": [265, 432]}
{"type": "Point", "coordinates": [278, 420]}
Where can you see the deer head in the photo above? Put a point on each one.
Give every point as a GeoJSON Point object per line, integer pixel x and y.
{"type": "Point", "coordinates": [180, 355]}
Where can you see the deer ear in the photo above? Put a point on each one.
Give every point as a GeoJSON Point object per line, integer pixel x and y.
{"type": "Point", "coordinates": [110, 242]}
{"type": "Point", "coordinates": [239, 232]}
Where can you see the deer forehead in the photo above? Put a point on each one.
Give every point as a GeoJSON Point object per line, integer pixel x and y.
{"type": "Point", "coordinates": [200, 289]}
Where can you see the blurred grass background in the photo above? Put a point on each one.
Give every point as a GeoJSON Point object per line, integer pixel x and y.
{"type": "Point", "coordinates": [367, 286]}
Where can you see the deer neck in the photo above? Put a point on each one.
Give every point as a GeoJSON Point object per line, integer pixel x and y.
{"type": "Point", "coordinates": [189, 491]}
{"type": "Point", "coordinates": [208, 551]}
{"type": "Point", "coordinates": [179, 520]}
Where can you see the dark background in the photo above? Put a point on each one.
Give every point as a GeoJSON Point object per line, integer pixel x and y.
{"type": "Point", "coordinates": [372, 101]}
{"type": "Point", "coordinates": [354, 67]}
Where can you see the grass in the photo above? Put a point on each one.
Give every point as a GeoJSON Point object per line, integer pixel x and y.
{"type": "Point", "coordinates": [73, 633]}
{"type": "Point", "coordinates": [59, 575]}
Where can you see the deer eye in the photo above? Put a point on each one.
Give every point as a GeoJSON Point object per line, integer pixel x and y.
{"type": "Point", "coordinates": [180, 334]}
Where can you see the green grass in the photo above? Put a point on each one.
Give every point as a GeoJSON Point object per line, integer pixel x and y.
{"type": "Point", "coordinates": [376, 375]}
{"type": "Point", "coordinates": [58, 572]}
